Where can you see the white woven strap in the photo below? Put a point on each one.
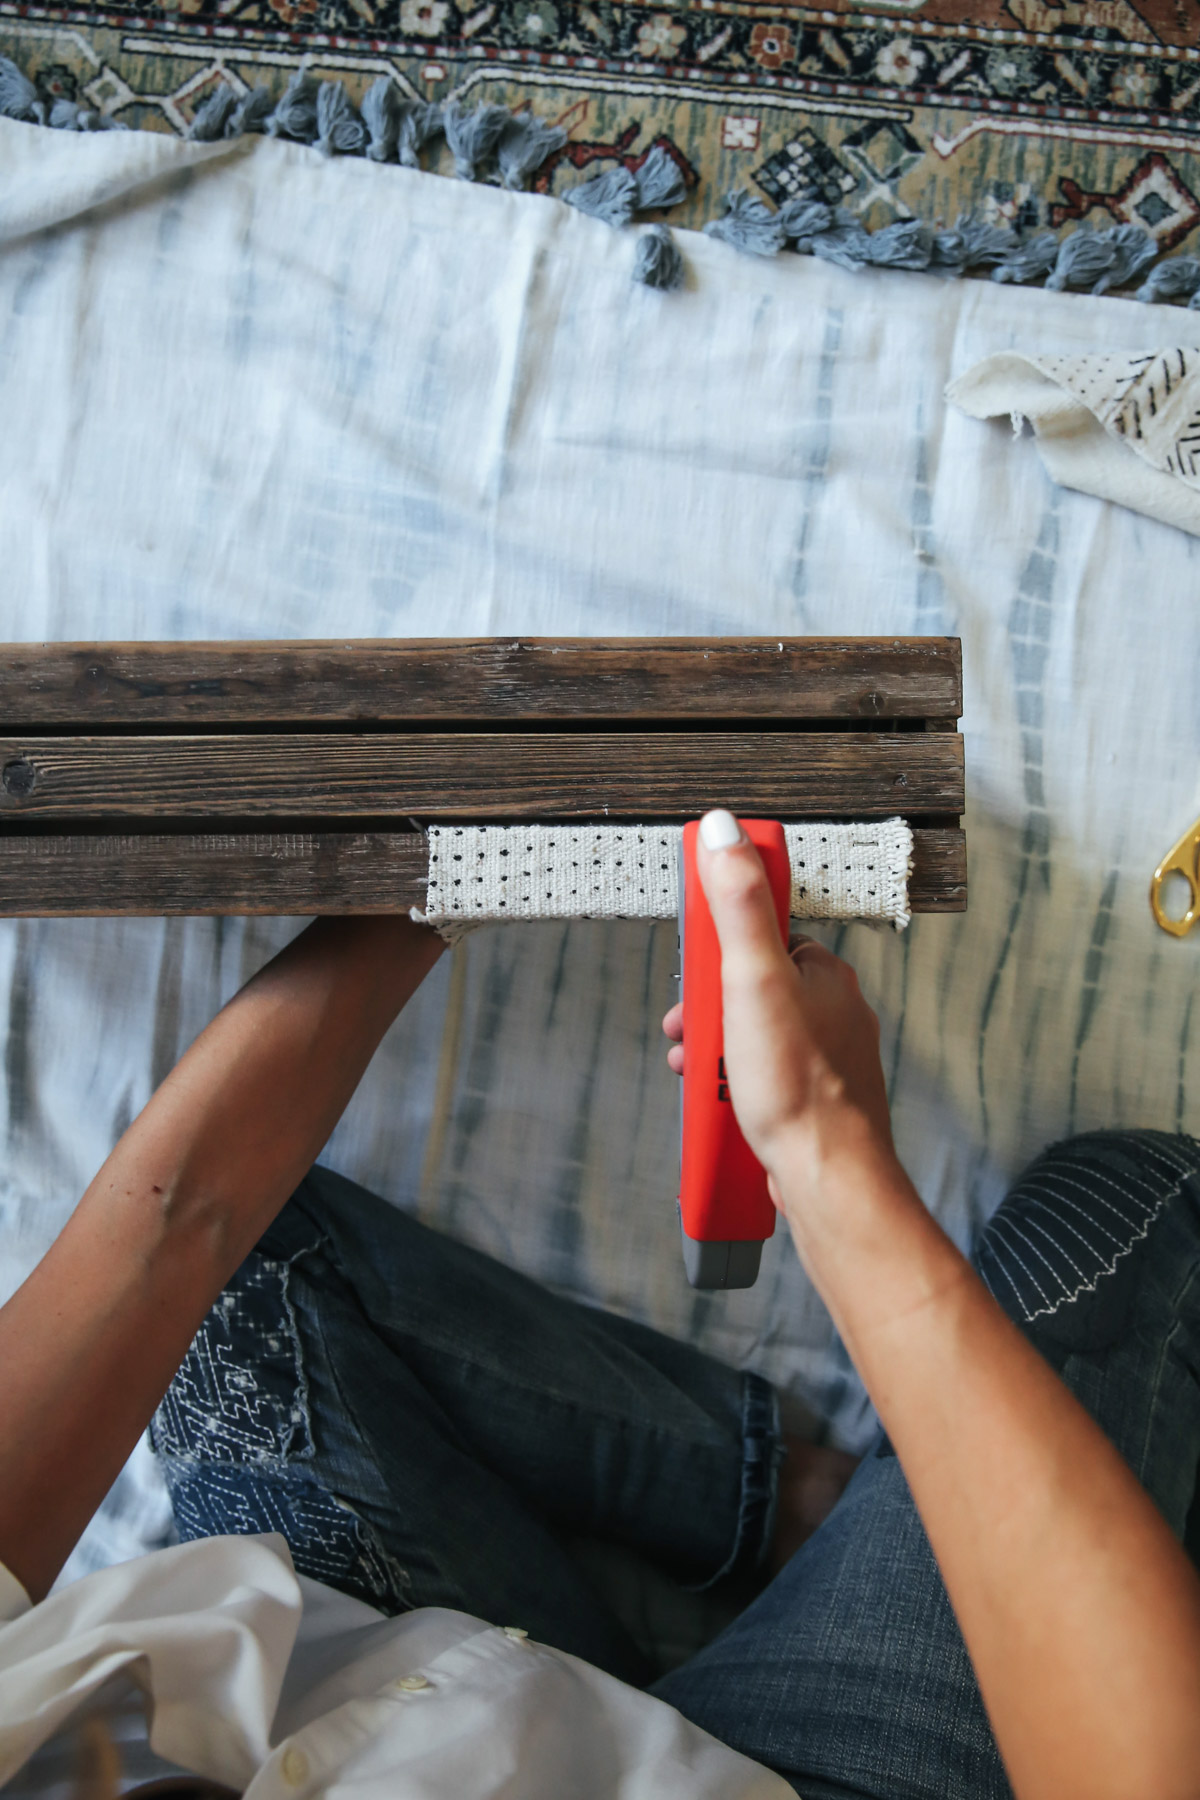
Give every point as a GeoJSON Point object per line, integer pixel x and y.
{"type": "Point", "coordinates": [480, 873]}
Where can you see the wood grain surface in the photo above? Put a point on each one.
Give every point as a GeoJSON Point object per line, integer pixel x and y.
{"type": "Point", "coordinates": [299, 873]}
{"type": "Point", "coordinates": [397, 681]}
{"type": "Point", "coordinates": [481, 776]}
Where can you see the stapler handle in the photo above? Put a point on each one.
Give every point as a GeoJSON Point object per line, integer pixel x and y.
{"type": "Point", "coordinates": [725, 1211]}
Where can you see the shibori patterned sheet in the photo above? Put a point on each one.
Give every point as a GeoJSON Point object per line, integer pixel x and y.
{"type": "Point", "coordinates": [251, 392]}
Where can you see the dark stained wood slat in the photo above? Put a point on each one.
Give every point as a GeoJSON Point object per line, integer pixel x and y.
{"type": "Point", "coordinates": [481, 776]}
{"type": "Point", "coordinates": [159, 873]}
{"type": "Point", "coordinates": [300, 874]}
{"type": "Point", "coordinates": [405, 680]}
{"type": "Point", "coordinates": [937, 882]}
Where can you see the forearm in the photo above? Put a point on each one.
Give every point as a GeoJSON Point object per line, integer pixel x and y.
{"type": "Point", "coordinates": [1080, 1612]}
{"type": "Point", "coordinates": [90, 1342]}
{"type": "Point", "coordinates": [242, 1116]}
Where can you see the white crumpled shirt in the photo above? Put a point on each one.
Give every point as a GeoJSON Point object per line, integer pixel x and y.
{"type": "Point", "coordinates": [272, 1684]}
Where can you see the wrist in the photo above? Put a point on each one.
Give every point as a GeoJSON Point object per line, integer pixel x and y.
{"type": "Point", "coordinates": [834, 1143]}
{"type": "Point", "coordinates": [833, 1170]}
{"type": "Point", "coordinates": [871, 1249]}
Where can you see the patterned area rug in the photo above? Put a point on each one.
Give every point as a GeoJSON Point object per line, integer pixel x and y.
{"type": "Point", "coordinates": [1031, 112]}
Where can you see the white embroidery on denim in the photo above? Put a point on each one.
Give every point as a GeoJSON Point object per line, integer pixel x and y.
{"type": "Point", "coordinates": [328, 1538]}
{"type": "Point", "coordinates": [240, 1394]}
{"type": "Point", "coordinates": [235, 1423]}
{"type": "Point", "coordinates": [1020, 1226]}
{"type": "Point", "coordinates": [1016, 1225]}
{"type": "Point", "coordinates": [1061, 1248]}
{"type": "Point", "coordinates": [1003, 1269]}
{"type": "Point", "coordinates": [1180, 1165]}
{"type": "Point", "coordinates": [1064, 1200]}
{"type": "Point", "coordinates": [1059, 1219]}
{"type": "Point", "coordinates": [1016, 1256]}
{"type": "Point", "coordinates": [1169, 1165]}
{"type": "Point", "coordinates": [1100, 1200]}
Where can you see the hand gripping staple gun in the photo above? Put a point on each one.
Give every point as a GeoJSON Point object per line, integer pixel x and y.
{"type": "Point", "coordinates": [725, 1211]}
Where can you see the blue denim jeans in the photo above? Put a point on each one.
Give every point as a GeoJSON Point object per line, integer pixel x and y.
{"type": "Point", "coordinates": [426, 1427]}
{"type": "Point", "coordinates": [429, 1428]}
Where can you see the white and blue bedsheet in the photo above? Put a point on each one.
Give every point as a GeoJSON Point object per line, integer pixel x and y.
{"type": "Point", "coordinates": [248, 391]}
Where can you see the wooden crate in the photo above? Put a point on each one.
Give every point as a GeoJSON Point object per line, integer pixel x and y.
{"type": "Point", "coordinates": [287, 777]}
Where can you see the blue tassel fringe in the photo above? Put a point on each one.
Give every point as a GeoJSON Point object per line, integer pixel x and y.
{"type": "Point", "coordinates": [491, 141]}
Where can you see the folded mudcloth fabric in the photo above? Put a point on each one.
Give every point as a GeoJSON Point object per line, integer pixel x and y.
{"type": "Point", "coordinates": [482, 873]}
{"type": "Point", "coordinates": [1122, 427]}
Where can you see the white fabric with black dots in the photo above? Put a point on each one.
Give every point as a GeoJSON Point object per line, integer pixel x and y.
{"type": "Point", "coordinates": [499, 872]}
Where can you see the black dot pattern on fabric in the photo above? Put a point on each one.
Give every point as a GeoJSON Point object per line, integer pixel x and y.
{"type": "Point", "coordinates": [480, 872]}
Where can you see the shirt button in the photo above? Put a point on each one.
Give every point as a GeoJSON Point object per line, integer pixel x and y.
{"type": "Point", "coordinates": [294, 1767]}
{"type": "Point", "coordinates": [517, 1632]}
{"type": "Point", "coordinates": [412, 1684]}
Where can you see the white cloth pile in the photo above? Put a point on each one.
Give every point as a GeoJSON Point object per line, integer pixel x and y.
{"type": "Point", "coordinates": [249, 391]}
{"type": "Point", "coordinates": [270, 1684]}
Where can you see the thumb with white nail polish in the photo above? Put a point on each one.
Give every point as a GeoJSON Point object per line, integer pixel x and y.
{"type": "Point", "coordinates": [719, 830]}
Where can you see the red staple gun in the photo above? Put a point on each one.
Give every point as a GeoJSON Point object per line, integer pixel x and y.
{"type": "Point", "coordinates": [725, 1211]}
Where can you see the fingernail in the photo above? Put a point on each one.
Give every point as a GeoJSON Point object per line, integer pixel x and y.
{"type": "Point", "coordinates": [719, 830]}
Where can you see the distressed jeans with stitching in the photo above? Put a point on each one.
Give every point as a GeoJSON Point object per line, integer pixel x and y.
{"type": "Point", "coordinates": [429, 1428]}
{"type": "Point", "coordinates": [849, 1674]}
{"type": "Point", "coordinates": [424, 1426]}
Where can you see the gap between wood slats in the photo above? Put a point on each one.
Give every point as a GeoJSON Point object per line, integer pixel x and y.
{"type": "Point", "coordinates": [592, 727]}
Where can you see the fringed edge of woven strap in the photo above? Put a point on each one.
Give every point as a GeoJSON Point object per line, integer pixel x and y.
{"type": "Point", "coordinates": [490, 143]}
{"type": "Point", "coordinates": [498, 874]}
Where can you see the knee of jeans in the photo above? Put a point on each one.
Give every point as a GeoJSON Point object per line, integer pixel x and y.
{"type": "Point", "coordinates": [329, 1539]}
{"type": "Point", "coordinates": [1064, 1253]}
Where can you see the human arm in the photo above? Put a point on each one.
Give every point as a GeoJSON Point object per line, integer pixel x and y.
{"type": "Point", "coordinates": [89, 1343]}
{"type": "Point", "coordinates": [1079, 1610]}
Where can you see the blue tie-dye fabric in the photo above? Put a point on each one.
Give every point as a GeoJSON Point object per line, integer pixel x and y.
{"type": "Point", "coordinates": [251, 392]}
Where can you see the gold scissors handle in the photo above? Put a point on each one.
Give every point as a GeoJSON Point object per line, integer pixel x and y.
{"type": "Point", "coordinates": [1182, 859]}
